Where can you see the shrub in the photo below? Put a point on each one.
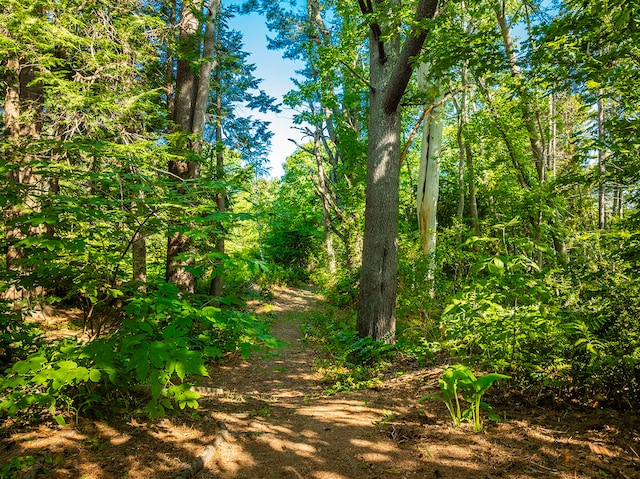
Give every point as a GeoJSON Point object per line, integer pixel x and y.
{"type": "Point", "coordinates": [165, 341]}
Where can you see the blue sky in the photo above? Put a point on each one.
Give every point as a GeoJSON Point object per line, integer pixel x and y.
{"type": "Point", "coordinates": [276, 74]}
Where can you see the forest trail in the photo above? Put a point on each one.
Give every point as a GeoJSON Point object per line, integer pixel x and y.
{"type": "Point", "coordinates": [267, 417]}
{"type": "Point", "coordinates": [281, 423]}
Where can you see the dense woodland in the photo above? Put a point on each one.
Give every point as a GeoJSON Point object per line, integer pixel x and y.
{"type": "Point", "coordinates": [468, 188]}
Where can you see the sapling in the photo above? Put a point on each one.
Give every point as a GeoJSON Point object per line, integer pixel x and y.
{"type": "Point", "coordinates": [460, 380]}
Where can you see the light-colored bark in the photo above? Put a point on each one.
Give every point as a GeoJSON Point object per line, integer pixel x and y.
{"type": "Point", "coordinates": [602, 169]}
{"type": "Point", "coordinates": [531, 120]}
{"type": "Point", "coordinates": [526, 103]}
{"type": "Point", "coordinates": [429, 171]}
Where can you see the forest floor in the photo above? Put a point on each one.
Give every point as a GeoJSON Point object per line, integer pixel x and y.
{"type": "Point", "coordinates": [268, 417]}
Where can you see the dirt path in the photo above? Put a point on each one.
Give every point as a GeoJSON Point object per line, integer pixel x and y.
{"type": "Point", "coordinates": [267, 418]}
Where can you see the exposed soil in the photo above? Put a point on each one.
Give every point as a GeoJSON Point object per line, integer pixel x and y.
{"type": "Point", "coordinates": [267, 418]}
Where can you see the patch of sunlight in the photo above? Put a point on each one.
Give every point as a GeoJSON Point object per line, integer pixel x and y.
{"type": "Point", "coordinates": [372, 446]}
{"type": "Point", "coordinates": [299, 448]}
{"type": "Point", "coordinates": [375, 457]}
{"type": "Point", "coordinates": [328, 475]}
{"type": "Point", "coordinates": [114, 436]}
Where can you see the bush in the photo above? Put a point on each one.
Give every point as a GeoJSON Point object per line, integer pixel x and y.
{"type": "Point", "coordinates": [17, 338]}
{"type": "Point", "coordinates": [601, 294]}
{"type": "Point", "coordinates": [165, 341]}
{"type": "Point", "coordinates": [505, 322]}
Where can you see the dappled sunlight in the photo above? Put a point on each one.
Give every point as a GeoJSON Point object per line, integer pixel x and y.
{"type": "Point", "coordinates": [115, 437]}
{"type": "Point", "coordinates": [268, 418]}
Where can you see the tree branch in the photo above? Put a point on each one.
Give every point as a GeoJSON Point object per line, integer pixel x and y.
{"type": "Point", "coordinates": [357, 75]}
{"type": "Point", "coordinates": [412, 46]}
{"type": "Point", "coordinates": [426, 111]}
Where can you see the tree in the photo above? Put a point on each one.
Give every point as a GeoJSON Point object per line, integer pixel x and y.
{"type": "Point", "coordinates": [429, 170]}
{"type": "Point", "coordinates": [391, 68]}
{"type": "Point", "coordinates": [190, 106]}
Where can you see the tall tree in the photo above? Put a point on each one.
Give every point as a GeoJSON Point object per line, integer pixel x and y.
{"type": "Point", "coordinates": [196, 39]}
{"type": "Point", "coordinates": [390, 68]}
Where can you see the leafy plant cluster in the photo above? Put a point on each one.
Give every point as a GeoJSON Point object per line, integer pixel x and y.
{"type": "Point", "coordinates": [351, 362]}
{"type": "Point", "coordinates": [505, 320]}
{"type": "Point", "coordinates": [459, 380]}
{"type": "Point", "coordinates": [17, 337]}
{"type": "Point", "coordinates": [161, 348]}
{"type": "Point", "coordinates": [16, 467]}
{"type": "Point", "coordinates": [571, 328]}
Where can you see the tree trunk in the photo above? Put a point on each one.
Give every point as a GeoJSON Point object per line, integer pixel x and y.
{"type": "Point", "coordinates": [528, 114]}
{"type": "Point", "coordinates": [473, 203]}
{"type": "Point", "coordinates": [531, 120]}
{"type": "Point", "coordinates": [388, 77]}
{"type": "Point", "coordinates": [215, 288]}
{"type": "Point", "coordinates": [376, 313]}
{"type": "Point", "coordinates": [602, 169]}
{"type": "Point", "coordinates": [323, 193]}
{"type": "Point", "coordinates": [429, 174]}
{"type": "Point", "coordinates": [23, 116]}
{"type": "Point", "coordinates": [139, 255]}
{"type": "Point", "coordinates": [190, 106]}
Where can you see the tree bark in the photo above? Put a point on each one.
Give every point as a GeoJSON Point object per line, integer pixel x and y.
{"type": "Point", "coordinates": [473, 203]}
{"type": "Point", "coordinates": [23, 117]}
{"type": "Point", "coordinates": [323, 193]}
{"type": "Point", "coordinates": [217, 282]}
{"type": "Point", "coordinates": [528, 113]}
{"type": "Point", "coordinates": [429, 174]}
{"type": "Point", "coordinates": [531, 120]}
{"type": "Point", "coordinates": [191, 98]}
{"type": "Point", "coordinates": [602, 169]}
{"type": "Point", "coordinates": [388, 77]}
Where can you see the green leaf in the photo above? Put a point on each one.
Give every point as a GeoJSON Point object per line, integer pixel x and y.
{"type": "Point", "coordinates": [484, 382]}
{"type": "Point", "coordinates": [142, 370]}
{"type": "Point", "coordinates": [181, 370]}
{"type": "Point", "coordinates": [146, 327]}
{"type": "Point", "coordinates": [157, 354]}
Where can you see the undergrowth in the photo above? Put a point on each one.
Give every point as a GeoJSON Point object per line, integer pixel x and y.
{"type": "Point", "coordinates": [161, 348]}
{"type": "Point", "coordinates": [354, 363]}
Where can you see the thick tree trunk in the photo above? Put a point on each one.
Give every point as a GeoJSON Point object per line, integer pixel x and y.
{"type": "Point", "coordinates": [190, 106]}
{"type": "Point", "coordinates": [23, 116]}
{"type": "Point", "coordinates": [376, 313]}
{"type": "Point", "coordinates": [389, 75]}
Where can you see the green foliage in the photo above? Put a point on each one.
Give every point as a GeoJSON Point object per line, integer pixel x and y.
{"type": "Point", "coordinates": [353, 363]}
{"type": "Point", "coordinates": [504, 321]}
{"type": "Point", "coordinates": [17, 337]}
{"type": "Point", "coordinates": [164, 343]}
{"type": "Point", "coordinates": [600, 292]}
{"type": "Point", "coordinates": [15, 468]}
{"type": "Point", "coordinates": [343, 290]}
{"type": "Point", "coordinates": [459, 380]}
